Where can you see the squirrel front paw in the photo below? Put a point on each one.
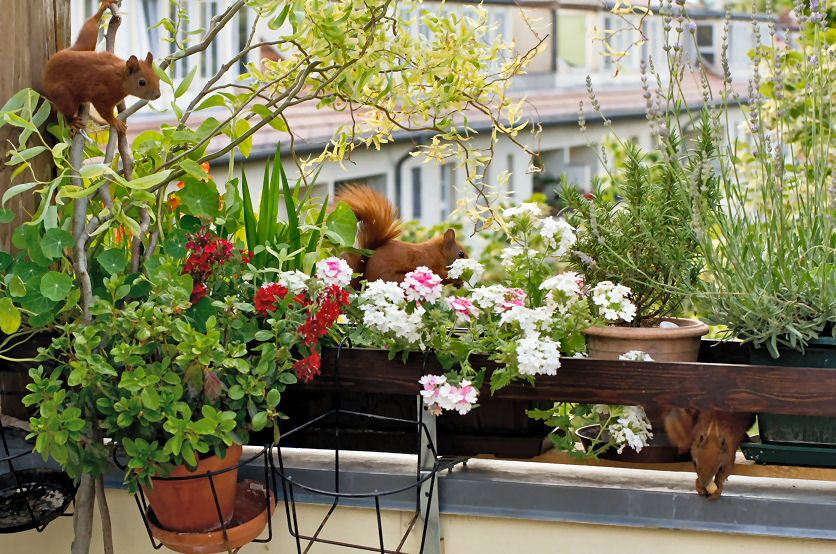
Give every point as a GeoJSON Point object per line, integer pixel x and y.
{"type": "Point", "coordinates": [120, 126]}
{"type": "Point", "coordinates": [76, 123]}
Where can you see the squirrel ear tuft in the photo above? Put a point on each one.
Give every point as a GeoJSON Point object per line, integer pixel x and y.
{"type": "Point", "coordinates": [449, 236]}
{"type": "Point", "coordinates": [132, 64]}
{"type": "Point", "coordinates": [149, 58]}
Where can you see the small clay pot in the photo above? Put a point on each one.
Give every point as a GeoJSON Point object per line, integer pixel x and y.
{"type": "Point", "coordinates": [188, 504]}
{"type": "Point", "coordinates": [249, 520]}
{"type": "Point", "coordinates": [663, 344]}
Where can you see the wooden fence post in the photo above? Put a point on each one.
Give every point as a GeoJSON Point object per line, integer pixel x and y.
{"type": "Point", "coordinates": [30, 32]}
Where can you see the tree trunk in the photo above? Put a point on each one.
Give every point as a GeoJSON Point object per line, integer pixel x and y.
{"type": "Point", "coordinates": [33, 30]}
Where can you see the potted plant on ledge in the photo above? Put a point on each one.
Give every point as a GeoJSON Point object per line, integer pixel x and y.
{"type": "Point", "coordinates": [770, 248]}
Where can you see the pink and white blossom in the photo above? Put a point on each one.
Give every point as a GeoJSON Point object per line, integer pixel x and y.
{"type": "Point", "coordinates": [462, 307]}
{"type": "Point", "coordinates": [422, 285]}
{"type": "Point", "coordinates": [440, 395]}
{"type": "Point", "coordinates": [333, 271]}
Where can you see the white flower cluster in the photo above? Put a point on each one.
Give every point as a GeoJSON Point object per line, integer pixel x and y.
{"type": "Point", "coordinates": [631, 427]}
{"type": "Point", "coordinates": [422, 285]}
{"type": "Point", "coordinates": [558, 235]}
{"type": "Point", "coordinates": [530, 208]}
{"type": "Point", "coordinates": [497, 298]}
{"type": "Point", "coordinates": [636, 356]}
{"type": "Point", "coordinates": [531, 320]}
{"type": "Point", "coordinates": [563, 291]}
{"type": "Point", "coordinates": [613, 301]}
{"type": "Point", "coordinates": [440, 395]}
{"type": "Point", "coordinates": [513, 255]}
{"type": "Point", "coordinates": [538, 355]}
{"type": "Point", "coordinates": [458, 267]}
{"type": "Point", "coordinates": [294, 281]}
{"type": "Point", "coordinates": [333, 271]}
{"type": "Point", "coordinates": [383, 311]}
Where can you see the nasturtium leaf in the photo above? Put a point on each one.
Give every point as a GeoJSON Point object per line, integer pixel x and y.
{"type": "Point", "coordinates": [9, 316]}
{"type": "Point", "coordinates": [54, 241]}
{"type": "Point", "coordinates": [112, 261]}
{"type": "Point", "coordinates": [56, 286]}
{"type": "Point", "coordinates": [343, 223]}
{"type": "Point", "coordinates": [16, 287]}
{"type": "Point", "coordinates": [5, 260]}
{"type": "Point", "coordinates": [199, 198]}
{"type": "Point", "coordinates": [6, 215]}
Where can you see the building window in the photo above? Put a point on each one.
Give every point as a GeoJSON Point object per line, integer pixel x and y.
{"type": "Point", "coordinates": [416, 193]}
{"type": "Point", "coordinates": [210, 60]}
{"type": "Point", "coordinates": [705, 42]}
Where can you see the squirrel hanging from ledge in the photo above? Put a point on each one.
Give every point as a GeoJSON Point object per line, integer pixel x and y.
{"type": "Point", "coordinates": [80, 74]}
{"type": "Point", "coordinates": [378, 228]}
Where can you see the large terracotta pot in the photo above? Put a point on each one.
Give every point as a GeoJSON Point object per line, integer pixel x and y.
{"type": "Point", "coordinates": [663, 344]}
{"type": "Point", "coordinates": [188, 504]}
{"type": "Point", "coordinates": [674, 344]}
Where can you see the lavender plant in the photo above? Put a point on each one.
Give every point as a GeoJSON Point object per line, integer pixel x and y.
{"type": "Point", "coordinates": [770, 248]}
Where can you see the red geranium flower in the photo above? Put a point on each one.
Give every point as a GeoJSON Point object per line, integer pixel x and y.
{"type": "Point", "coordinates": [307, 368]}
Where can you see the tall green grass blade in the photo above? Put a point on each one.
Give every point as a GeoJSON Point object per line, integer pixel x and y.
{"type": "Point", "coordinates": [249, 216]}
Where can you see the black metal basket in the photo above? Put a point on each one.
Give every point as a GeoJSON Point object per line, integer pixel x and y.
{"type": "Point", "coordinates": [424, 483]}
{"type": "Point", "coordinates": [30, 498]}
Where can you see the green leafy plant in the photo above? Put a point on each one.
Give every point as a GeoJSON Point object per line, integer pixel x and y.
{"type": "Point", "coordinates": [193, 367]}
{"type": "Point", "coordinates": [642, 237]}
{"type": "Point", "coordinates": [295, 243]}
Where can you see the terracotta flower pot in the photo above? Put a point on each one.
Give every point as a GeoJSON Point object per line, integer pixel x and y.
{"type": "Point", "coordinates": [675, 344]}
{"type": "Point", "coordinates": [188, 504]}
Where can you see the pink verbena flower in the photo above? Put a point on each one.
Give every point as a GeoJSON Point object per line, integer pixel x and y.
{"type": "Point", "coordinates": [463, 308]}
{"type": "Point", "coordinates": [422, 285]}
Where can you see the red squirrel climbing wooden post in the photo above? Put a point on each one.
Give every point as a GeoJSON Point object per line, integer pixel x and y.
{"type": "Point", "coordinates": [79, 74]}
{"type": "Point", "coordinates": [378, 230]}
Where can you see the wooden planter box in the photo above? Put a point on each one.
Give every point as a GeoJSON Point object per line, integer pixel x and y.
{"type": "Point", "coordinates": [722, 380]}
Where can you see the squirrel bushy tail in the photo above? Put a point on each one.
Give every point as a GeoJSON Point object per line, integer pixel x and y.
{"type": "Point", "coordinates": [378, 218]}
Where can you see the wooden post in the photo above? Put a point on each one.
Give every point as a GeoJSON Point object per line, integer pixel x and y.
{"type": "Point", "coordinates": [31, 31]}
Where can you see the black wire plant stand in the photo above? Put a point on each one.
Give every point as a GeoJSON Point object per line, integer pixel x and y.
{"type": "Point", "coordinates": [30, 498]}
{"type": "Point", "coordinates": [429, 465]}
{"type": "Point", "coordinates": [226, 535]}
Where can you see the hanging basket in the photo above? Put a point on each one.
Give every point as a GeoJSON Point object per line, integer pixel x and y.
{"type": "Point", "coordinates": [29, 498]}
{"type": "Point", "coordinates": [342, 490]}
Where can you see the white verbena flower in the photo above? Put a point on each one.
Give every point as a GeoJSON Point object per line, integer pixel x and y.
{"type": "Point", "coordinates": [537, 355]}
{"type": "Point", "coordinates": [390, 319]}
{"type": "Point", "coordinates": [458, 267]}
{"type": "Point", "coordinates": [558, 235]}
{"type": "Point", "coordinates": [512, 255]}
{"type": "Point", "coordinates": [294, 281]}
{"type": "Point", "coordinates": [564, 290]}
{"type": "Point", "coordinates": [333, 271]}
{"type": "Point", "coordinates": [631, 427]}
{"type": "Point", "coordinates": [613, 302]}
{"type": "Point", "coordinates": [524, 208]}
{"type": "Point", "coordinates": [381, 293]}
{"type": "Point", "coordinates": [497, 298]}
{"type": "Point", "coordinates": [636, 356]}
{"type": "Point", "coordinates": [530, 320]}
